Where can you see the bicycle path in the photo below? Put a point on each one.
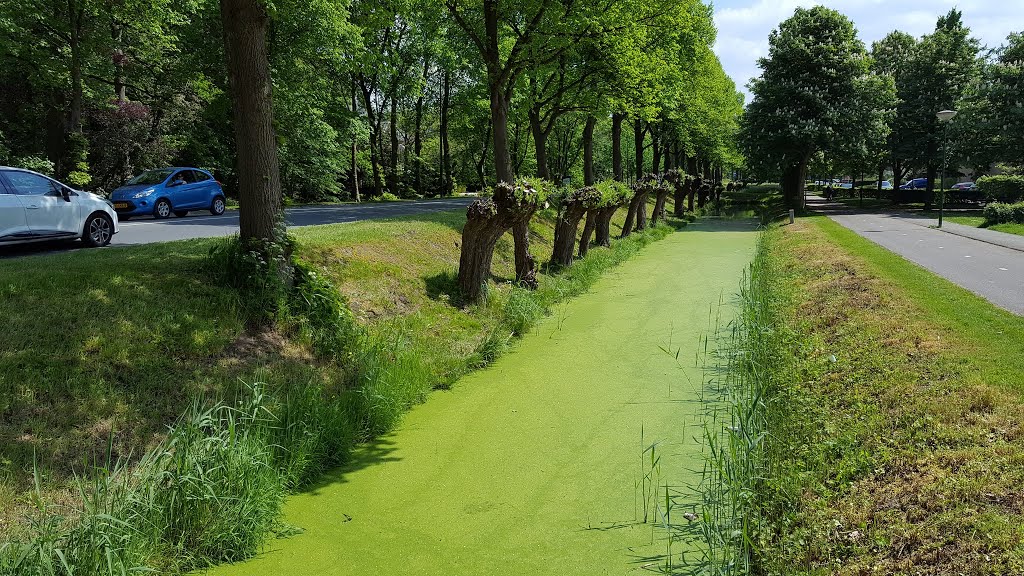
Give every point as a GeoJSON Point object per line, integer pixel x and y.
{"type": "Point", "coordinates": [534, 465]}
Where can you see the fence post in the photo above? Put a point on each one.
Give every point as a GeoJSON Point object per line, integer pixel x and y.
{"type": "Point", "coordinates": [792, 215]}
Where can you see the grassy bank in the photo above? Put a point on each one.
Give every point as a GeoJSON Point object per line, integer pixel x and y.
{"type": "Point", "coordinates": [91, 462]}
{"type": "Point", "coordinates": [886, 421]}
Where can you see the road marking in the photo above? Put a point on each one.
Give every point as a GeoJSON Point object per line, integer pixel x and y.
{"type": "Point", "coordinates": [1004, 269]}
{"type": "Point", "coordinates": [966, 256]}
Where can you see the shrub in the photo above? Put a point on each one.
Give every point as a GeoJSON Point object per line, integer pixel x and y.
{"type": "Point", "coordinates": [36, 164]}
{"type": "Point", "coordinates": [1007, 189]}
{"type": "Point", "coordinates": [389, 197]}
{"type": "Point", "coordinates": [1001, 213]}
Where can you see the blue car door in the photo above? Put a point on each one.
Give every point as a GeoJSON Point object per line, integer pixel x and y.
{"type": "Point", "coordinates": [206, 187]}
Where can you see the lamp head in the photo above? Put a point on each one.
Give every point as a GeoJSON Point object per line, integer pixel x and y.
{"type": "Point", "coordinates": [945, 115]}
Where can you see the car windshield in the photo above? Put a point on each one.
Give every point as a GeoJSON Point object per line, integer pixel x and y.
{"type": "Point", "coordinates": [150, 177]}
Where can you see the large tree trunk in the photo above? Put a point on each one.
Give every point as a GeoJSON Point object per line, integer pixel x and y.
{"type": "Point", "coordinates": [603, 228]}
{"type": "Point", "coordinates": [655, 151]}
{"type": "Point", "coordinates": [637, 209]}
{"type": "Point", "coordinates": [446, 157]}
{"type": "Point", "coordinates": [679, 197]}
{"type": "Point", "coordinates": [793, 178]}
{"type": "Point", "coordinates": [486, 220]}
{"type": "Point", "coordinates": [393, 178]}
{"type": "Point", "coordinates": [417, 143]}
{"type": "Point", "coordinates": [661, 196]}
{"type": "Point", "coordinates": [589, 177]}
{"type": "Point", "coordinates": [259, 183]}
{"type": "Point", "coordinates": [371, 120]}
{"type": "Point", "coordinates": [355, 149]}
{"type": "Point", "coordinates": [878, 184]}
{"type": "Point", "coordinates": [526, 265]}
{"type": "Point", "coordinates": [540, 144]}
{"type": "Point", "coordinates": [499, 133]}
{"type": "Point", "coordinates": [638, 139]}
{"type": "Point", "coordinates": [565, 232]}
{"type": "Point", "coordinates": [617, 146]}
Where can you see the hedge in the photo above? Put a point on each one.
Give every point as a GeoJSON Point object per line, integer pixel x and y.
{"type": "Point", "coordinates": [1005, 189]}
{"type": "Point", "coordinates": [1000, 213]}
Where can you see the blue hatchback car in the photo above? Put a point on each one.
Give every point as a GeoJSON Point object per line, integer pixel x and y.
{"type": "Point", "coordinates": [167, 191]}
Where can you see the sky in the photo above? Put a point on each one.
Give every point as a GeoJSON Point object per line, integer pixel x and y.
{"type": "Point", "coordinates": [744, 25]}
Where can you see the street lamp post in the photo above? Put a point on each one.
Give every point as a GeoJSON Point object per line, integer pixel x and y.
{"type": "Point", "coordinates": [944, 117]}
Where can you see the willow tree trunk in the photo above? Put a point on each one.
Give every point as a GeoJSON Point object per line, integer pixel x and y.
{"type": "Point", "coordinates": [659, 204]}
{"type": "Point", "coordinates": [259, 181]}
{"type": "Point", "coordinates": [679, 187]}
{"type": "Point", "coordinates": [638, 202]}
{"type": "Point", "coordinates": [588, 231]}
{"type": "Point", "coordinates": [486, 221]}
{"type": "Point", "coordinates": [565, 233]}
{"type": "Point", "coordinates": [526, 265]}
{"type": "Point", "coordinates": [603, 228]}
{"type": "Point", "coordinates": [617, 146]}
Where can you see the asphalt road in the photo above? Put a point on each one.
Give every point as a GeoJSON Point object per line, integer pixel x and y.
{"type": "Point", "coordinates": [995, 273]}
{"type": "Point", "coordinates": [203, 225]}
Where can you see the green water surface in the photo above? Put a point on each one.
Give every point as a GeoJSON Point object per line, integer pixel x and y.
{"type": "Point", "coordinates": [531, 466]}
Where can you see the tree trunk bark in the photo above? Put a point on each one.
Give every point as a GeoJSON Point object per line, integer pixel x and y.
{"type": "Point", "coordinates": [793, 178]}
{"type": "Point", "coordinates": [486, 221]}
{"type": "Point", "coordinates": [589, 177]}
{"type": "Point", "coordinates": [679, 199]}
{"type": "Point", "coordinates": [483, 160]}
{"type": "Point", "coordinates": [655, 151]}
{"type": "Point", "coordinates": [417, 143]}
{"type": "Point", "coordinates": [565, 233]}
{"type": "Point", "coordinates": [540, 144]}
{"type": "Point", "coordinates": [588, 231]}
{"type": "Point", "coordinates": [603, 228]}
{"type": "Point", "coordinates": [638, 139]}
{"type": "Point", "coordinates": [637, 210]}
{"type": "Point", "coordinates": [446, 158]}
{"type": "Point", "coordinates": [499, 130]}
{"type": "Point", "coordinates": [617, 146]}
{"type": "Point", "coordinates": [355, 149]}
{"type": "Point", "coordinates": [259, 183]}
{"type": "Point", "coordinates": [526, 266]}
{"type": "Point", "coordinates": [393, 178]}
{"type": "Point", "coordinates": [878, 184]}
{"type": "Point", "coordinates": [661, 197]}
{"type": "Point", "coordinates": [371, 120]}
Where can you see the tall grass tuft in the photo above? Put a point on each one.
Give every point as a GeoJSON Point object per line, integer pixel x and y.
{"type": "Point", "coordinates": [745, 387]}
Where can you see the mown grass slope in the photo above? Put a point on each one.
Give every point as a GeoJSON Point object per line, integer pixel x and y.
{"type": "Point", "coordinates": [113, 345]}
{"type": "Point", "coordinates": [895, 442]}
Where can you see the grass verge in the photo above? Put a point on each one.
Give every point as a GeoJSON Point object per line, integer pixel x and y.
{"type": "Point", "coordinates": [876, 423]}
{"type": "Point", "coordinates": [263, 413]}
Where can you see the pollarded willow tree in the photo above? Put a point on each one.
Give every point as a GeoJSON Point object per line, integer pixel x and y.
{"type": "Point", "coordinates": [815, 93]}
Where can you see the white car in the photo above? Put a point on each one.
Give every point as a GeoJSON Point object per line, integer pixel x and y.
{"type": "Point", "coordinates": [34, 208]}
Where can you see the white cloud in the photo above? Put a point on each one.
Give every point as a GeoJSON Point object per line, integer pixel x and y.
{"type": "Point", "coordinates": [744, 25]}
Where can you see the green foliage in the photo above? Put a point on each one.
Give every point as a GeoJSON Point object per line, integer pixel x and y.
{"type": "Point", "coordinates": [36, 164]}
{"type": "Point", "coordinates": [1004, 188]}
{"type": "Point", "coordinates": [257, 270]}
{"type": "Point", "coordinates": [613, 193]}
{"type": "Point", "coordinates": [1001, 213]}
{"type": "Point", "coordinates": [816, 93]}
{"type": "Point", "coordinates": [389, 197]}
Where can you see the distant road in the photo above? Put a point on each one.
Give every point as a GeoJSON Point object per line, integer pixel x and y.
{"type": "Point", "coordinates": [202, 225]}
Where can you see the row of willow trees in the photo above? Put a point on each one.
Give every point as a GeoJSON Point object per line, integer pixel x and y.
{"type": "Point", "coordinates": [512, 205]}
{"type": "Point", "coordinates": [410, 97]}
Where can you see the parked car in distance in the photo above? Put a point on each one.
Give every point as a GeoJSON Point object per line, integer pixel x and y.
{"type": "Point", "coordinates": [965, 186]}
{"type": "Point", "coordinates": [167, 191]}
{"type": "Point", "coordinates": [34, 208]}
{"type": "Point", "coordinates": [915, 184]}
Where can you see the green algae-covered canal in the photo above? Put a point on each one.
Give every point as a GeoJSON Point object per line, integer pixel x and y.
{"type": "Point", "coordinates": [534, 465]}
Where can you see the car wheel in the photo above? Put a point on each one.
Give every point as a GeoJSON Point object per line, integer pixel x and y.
{"type": "Point", "coordinates": [181, 213]}
{"type": "Point", "coordinates": [162, 209]}
{"type": "Point", "coordinates": [99, 230]}
{"type": "Point", "coordinates": [217, 208]}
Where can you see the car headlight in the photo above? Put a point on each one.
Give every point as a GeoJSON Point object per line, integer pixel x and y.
{"type": "Point", "coordinates": [144, 193]}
